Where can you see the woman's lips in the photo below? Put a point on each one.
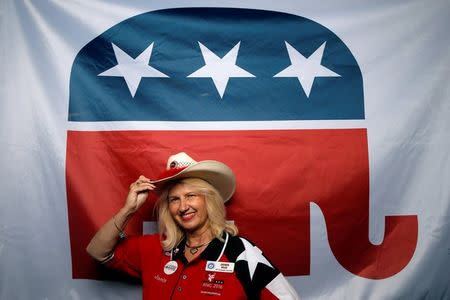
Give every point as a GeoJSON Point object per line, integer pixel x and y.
{"type": "Point", "coordinates": [187, 217]}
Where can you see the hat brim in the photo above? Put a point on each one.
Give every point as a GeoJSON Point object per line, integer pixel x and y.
{"type": "Point", "coordinates": [214, 172]}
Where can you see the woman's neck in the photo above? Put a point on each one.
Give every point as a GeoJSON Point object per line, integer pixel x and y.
{"type": "Point", "coordinates": [199, 237]}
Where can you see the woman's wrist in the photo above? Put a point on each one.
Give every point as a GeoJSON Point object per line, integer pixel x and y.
{"type": "Point", "coordinates": [121, 219]}
{"type": "Point", "coordinates": [119, 228]}
{"type": "Point", "coordinates": [125, 213]}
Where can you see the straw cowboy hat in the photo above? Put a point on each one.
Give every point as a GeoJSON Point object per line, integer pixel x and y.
{"type": "Point", "coordinates": [217, 174]}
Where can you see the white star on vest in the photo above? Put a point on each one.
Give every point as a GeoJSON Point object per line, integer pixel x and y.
{"type": "Point", "coordinates": [253, 256]}
{"type": "Point", "coordinates": [306, 69]}
{"type": "Point", "coordinates": [133, 69]}
{"type": "Point", "coordinates": [220, 69]}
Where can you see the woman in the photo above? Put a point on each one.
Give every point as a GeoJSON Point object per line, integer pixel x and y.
{"type": "Point", "coordinates": [197, 253]}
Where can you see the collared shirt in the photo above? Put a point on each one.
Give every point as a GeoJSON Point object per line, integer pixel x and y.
{"type": "Point", "coordinates": [232, 269]}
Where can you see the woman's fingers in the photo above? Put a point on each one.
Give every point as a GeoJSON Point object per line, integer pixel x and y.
{"type": "Point", "coordinates": [141, 180]}
{"type": "Point", "coordinates": [143, 187]}
{"type": "Point", "coordinates": [142, 177]}
{"type": "Point", "coordinates": [138, 194]}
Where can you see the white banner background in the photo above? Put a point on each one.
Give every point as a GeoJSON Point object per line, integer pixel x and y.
{"type": "Point", "coordinates": [402, 48]}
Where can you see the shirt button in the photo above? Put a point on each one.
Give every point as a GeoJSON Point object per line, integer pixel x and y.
{"type": "Point", "coordinates": [184, 276]}
{"type": "Point", "coordinates": [179, 289]}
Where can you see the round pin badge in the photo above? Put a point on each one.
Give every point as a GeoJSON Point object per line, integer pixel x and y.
{"type": "Point", "coordinates": [170, 267]}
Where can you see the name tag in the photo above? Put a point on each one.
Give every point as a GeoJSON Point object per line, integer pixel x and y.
{"type": "Point", "coordinates": [218, 266]}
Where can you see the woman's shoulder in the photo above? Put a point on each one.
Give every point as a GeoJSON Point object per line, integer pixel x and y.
{"type": "Point", "coordinates": [151, 238]}
{"type": "Point", "coordinates": [143, 240]}
{"type": "Point", "coordinates": [237, 245]}
{"type": "Point", "coordinates": [239, 239]}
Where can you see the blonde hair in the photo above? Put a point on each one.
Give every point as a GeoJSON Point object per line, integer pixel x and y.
{"type": "Point", "coordinates": [172, 234]}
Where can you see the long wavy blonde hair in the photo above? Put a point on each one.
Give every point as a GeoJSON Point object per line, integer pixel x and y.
{"type": "Point", "coordinates": [171, 233]}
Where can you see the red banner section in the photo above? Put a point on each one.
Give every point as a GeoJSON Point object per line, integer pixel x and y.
{"type": "Point", "coordinates": [279, 173]}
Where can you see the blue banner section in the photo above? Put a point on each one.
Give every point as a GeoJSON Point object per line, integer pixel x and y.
{"type": "Point", "coordinates": [222, 64]}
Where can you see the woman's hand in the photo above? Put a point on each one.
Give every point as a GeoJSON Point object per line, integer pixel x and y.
{"type": "Point", "coordinates": [138, 194]}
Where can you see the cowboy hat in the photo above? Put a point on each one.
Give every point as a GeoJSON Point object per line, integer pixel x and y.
{"type": "Point", "coordinates": [217, 174]}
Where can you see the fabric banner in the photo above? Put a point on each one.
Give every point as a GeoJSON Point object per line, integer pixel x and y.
{"type": "Point", "coordinates": [333, 116]}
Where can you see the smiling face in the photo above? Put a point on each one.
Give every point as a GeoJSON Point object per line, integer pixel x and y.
{"type": "Point", "coordinates": [187, 207]}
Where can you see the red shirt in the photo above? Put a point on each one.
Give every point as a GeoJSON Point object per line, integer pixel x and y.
{"type": "Point", "coordinates": [234, 269]}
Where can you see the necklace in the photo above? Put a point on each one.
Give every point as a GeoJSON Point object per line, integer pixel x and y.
{"type": "Point", "coordinates": [194, 249]}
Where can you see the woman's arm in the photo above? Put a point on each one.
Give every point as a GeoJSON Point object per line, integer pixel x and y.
{"type": "Point", "coordinates": [104, 241]}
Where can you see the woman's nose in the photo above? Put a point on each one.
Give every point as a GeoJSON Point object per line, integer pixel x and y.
{"type": "Point", "coordinates": [183, 204]}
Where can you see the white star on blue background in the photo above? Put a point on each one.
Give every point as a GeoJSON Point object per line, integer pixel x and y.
{"type": "Point", "coordinates": [220, 69]}
{"type": "Point", "coordinates": [306, 69]}
{"type": "Point", "coordinates": [133, 69]}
